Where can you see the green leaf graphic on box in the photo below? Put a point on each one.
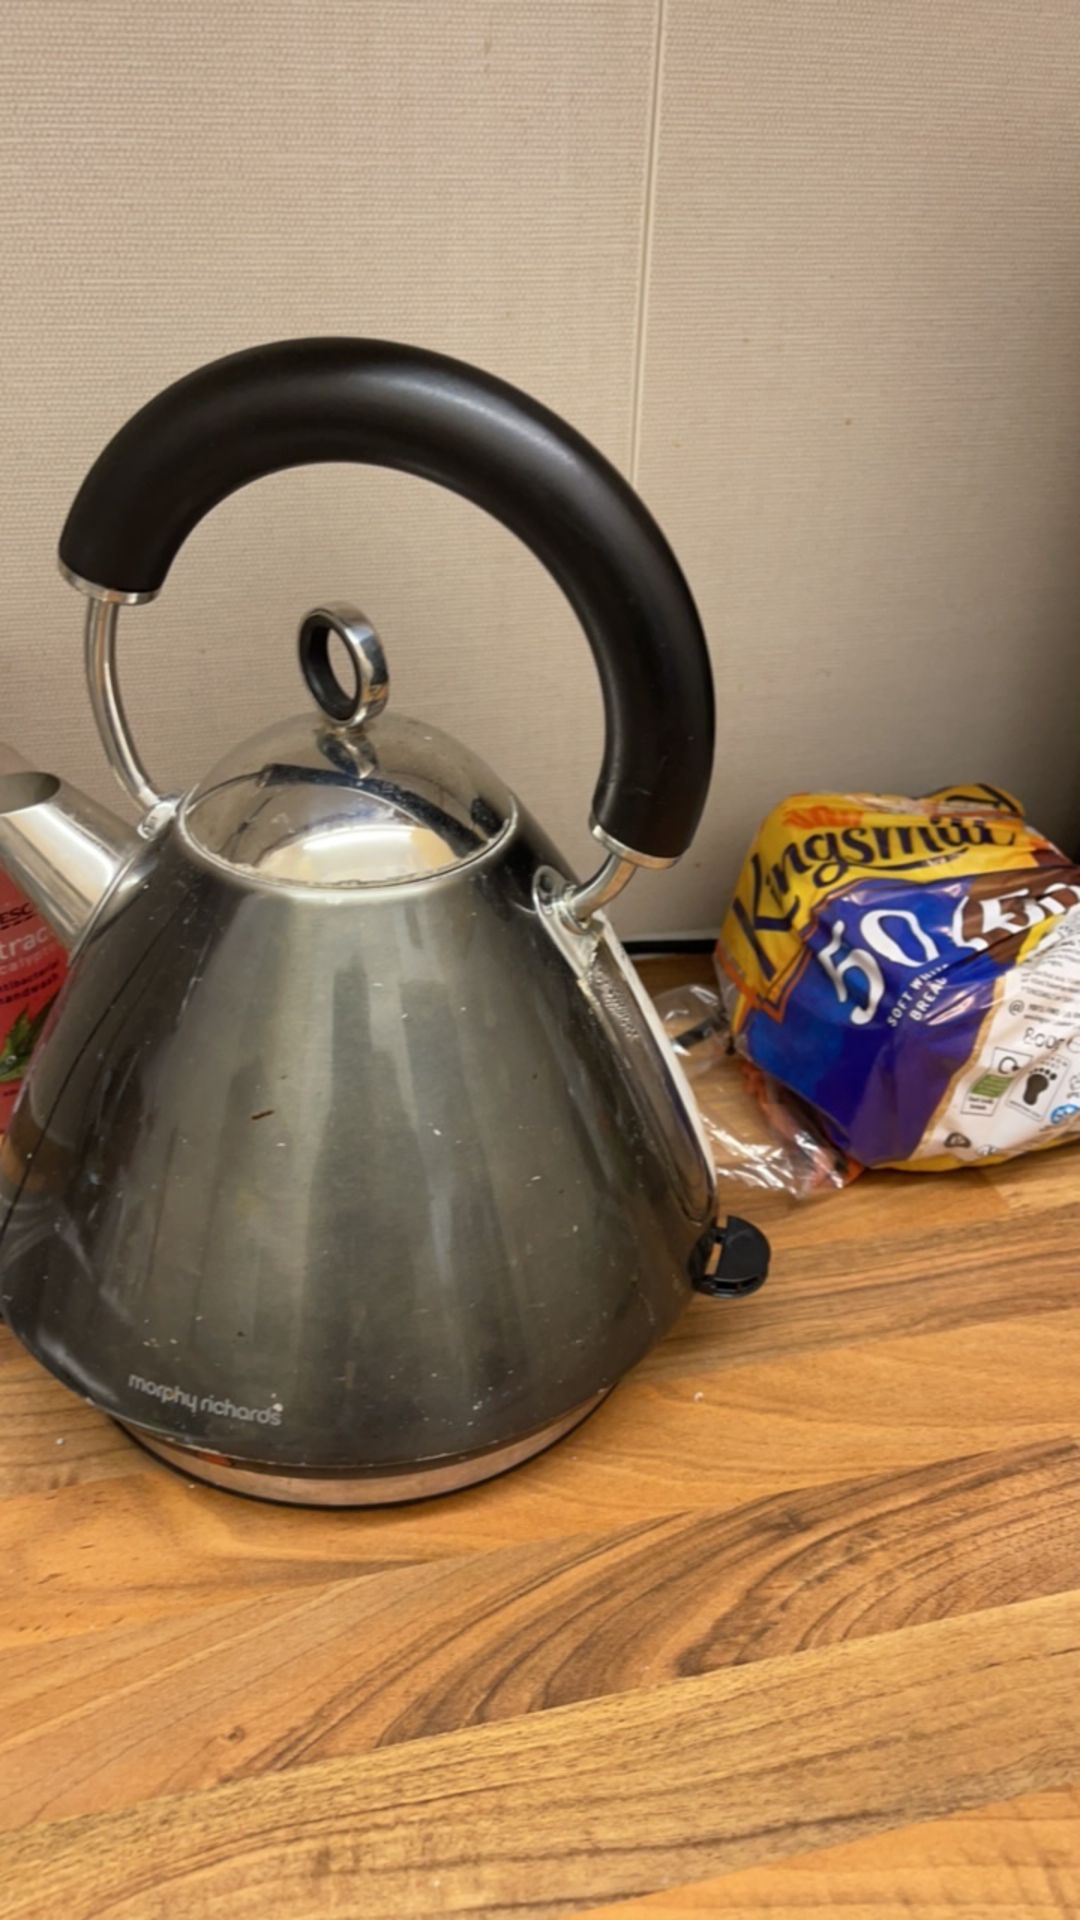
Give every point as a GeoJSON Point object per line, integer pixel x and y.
{"type": "Point", "coordinates": [19, 1041]}
{"type": "Point", "coordinates": [990, 1086]}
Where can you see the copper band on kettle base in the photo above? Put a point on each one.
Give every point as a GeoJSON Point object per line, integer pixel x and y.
{"type": "Point", "coordinates": [349, 1489]}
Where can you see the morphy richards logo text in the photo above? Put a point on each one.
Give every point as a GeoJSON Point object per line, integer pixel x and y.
{"type": "Point", "coordinates": [209, 1403]}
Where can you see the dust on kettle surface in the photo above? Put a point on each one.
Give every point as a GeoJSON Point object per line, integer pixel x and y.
{"type": "Point", "coordinates": [355, 1163]}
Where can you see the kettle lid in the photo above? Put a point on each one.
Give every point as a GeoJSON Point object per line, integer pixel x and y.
{"type": "Point", "coordinates": [349, 796]}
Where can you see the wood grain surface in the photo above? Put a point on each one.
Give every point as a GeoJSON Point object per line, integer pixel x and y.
{"type": "Point", "coordinates": [791, 1626]}
{"type": "Point", "coordinates": [1014, 1861]}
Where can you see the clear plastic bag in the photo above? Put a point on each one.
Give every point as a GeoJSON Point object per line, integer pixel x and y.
{"type": "Point", "coordinates": [759, 1134]}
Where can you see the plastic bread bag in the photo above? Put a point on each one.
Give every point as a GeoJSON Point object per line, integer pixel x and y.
{"type": "Point", "coordinates": [759, 1135]}
{"type": "Point", "coordinates": [909, 971]}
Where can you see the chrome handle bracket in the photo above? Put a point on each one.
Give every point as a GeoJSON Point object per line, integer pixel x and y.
{"type": "Point", "coordinates": [617, 871]}
{"type": "Point", "coordinates": [581, 902]}
{"type": "Point", "coordinates": [108, 707]}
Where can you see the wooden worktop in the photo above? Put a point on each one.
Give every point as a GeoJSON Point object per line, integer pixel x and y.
{"type": "Point", "coordinates": [791, 1626]}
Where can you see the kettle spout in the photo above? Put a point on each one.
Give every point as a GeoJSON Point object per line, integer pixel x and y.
{"type": "Point", "coordinates": [61, 848]}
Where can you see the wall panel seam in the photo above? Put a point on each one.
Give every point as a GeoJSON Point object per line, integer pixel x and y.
{"type": "Point", "coordinates": [647, 224]}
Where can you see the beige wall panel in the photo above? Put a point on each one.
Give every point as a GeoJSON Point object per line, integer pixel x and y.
{"type": "Point", "coordinates": [183, 180]}
{"type": "Point", "coordinates": [861, 409]}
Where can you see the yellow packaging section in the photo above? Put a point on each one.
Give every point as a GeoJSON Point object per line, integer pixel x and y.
{"type": "Point", "coordinates": [814, 844]}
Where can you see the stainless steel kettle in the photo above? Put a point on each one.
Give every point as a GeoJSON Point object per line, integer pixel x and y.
{"type": "Point", "coordinates": [354, 1164]}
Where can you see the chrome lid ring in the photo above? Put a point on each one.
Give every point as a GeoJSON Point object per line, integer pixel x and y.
{"type": "Point", "coordinates": [371, 686]}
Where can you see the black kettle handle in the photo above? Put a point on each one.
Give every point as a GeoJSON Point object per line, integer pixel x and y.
{"type": "Point", "coordinates": [300, 401]}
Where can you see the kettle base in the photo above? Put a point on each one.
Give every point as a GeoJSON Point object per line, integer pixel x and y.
{"type": "Point", "coordinates": [315, 1488]}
